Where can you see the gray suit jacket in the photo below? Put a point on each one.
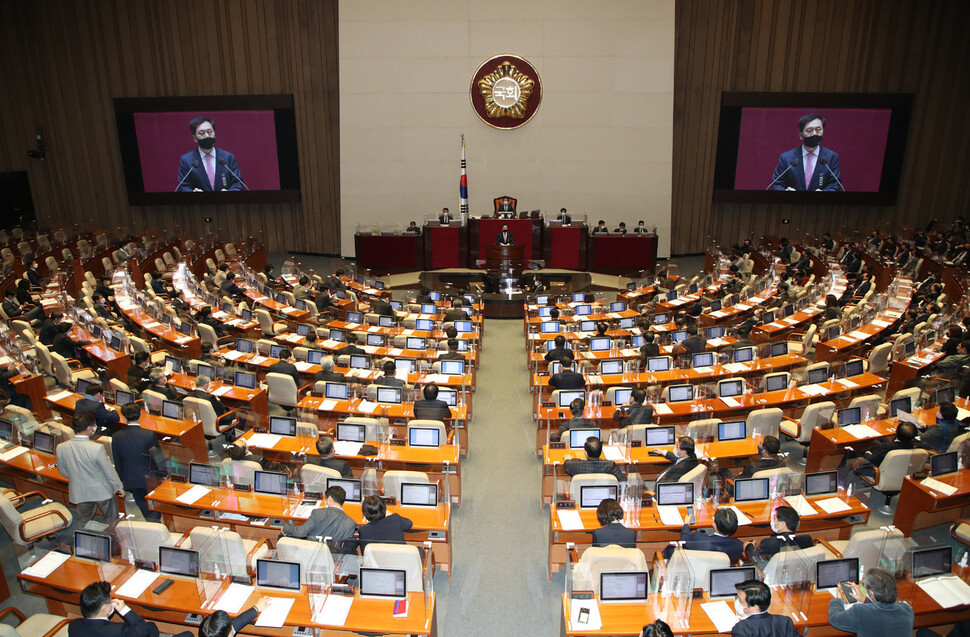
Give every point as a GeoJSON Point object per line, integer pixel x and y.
{"type": "Point", "coordinates": [90, 475]}
{"type": "Point", "coordinates": [326, 522]}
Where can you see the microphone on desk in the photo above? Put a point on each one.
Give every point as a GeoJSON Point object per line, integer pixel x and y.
{"type": "Point", "coordinates": [222, 162]}
{"type": "Point", "coordinates": [825, 163]}
{"type": "Point", "coordinates": [793, 163]}
{"type": "Point", "coordinates": [195, 164]}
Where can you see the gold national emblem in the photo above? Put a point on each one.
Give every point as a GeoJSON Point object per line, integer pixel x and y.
{"type": "Point", "coordinates": [506, 91]}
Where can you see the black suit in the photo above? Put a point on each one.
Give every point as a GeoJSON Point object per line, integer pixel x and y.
{"type": "Point", "coordinates": [432, 410]}
{"type": "Point", "coordinates": [336, 464]}
{"type": "Point", "coordinates": [771, 545]}
{"type": "Point", "coordinates": [699, 541]}
{"type": "Point", "coordinates": [557, 354]}
{"type": "Point", "coordinates": [765, 625]}
{"type": "Point", "coordinates": [286, 367]}
{"type": "Point", "coordinates": [131, 626]}
{"type": "Point", "coordinates": [564, 218]}
{"type": "Point", "coordinates": [330, 377]}
{"type": "Point", "coordinates": [230, 288]}
{"type": "Point", "coordinates": [679, 469]}
{"type": "Point", "coordinates": [578, 466]}
{"type": "Point", "coordinates": [381, 307]}
{"type": "Point", "coordinates": [223, 414]}
{"type": "Point", "coordinates": [649, 350]}
{"type": "Point", "coordinates": [389, 529]}
{"type": "Point", "coordinates": [695, 344]}
{"type": "Point", "coordinates": [129, 447]}
{"type": "Point", "coordinates": [567, 379]}
{"type": "Point", "coordinates": [389, 381]}
{"type": "Point", "coordinates": [103, 416]}
{"type": "Point", "coordinates": [350, 349]}
{"type": "Point", "coordinates": [452, 356]}
{"type": "Point", "coordinates": [760, 465]}
{"type": "Point", "coordinates": [640, 414]}
{"type": "Point", "coordinates": [504, 239]}
{"type": "Point", "coordinates": [615, 533]}
{"type": "Point", "coordinates": [63, 345]}
{"type": "Point", "coordinates": [47, 332]}
{"type": "Point", "coordinates": [455, 314]}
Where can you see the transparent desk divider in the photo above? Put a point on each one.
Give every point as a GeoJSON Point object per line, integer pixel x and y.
{"type": "Point", "coordinates": [109, 572]}
{"type": "Point", "coordinates": [785, 483]}
{"type": "Point", "coordinates": [677, 592]}
{"type": "Point", "coordinates": [428, 576]}
{"type": "Point", "coordinates": [318, 569]}
{"type": "Point", "coordinates": [895, 553]}
{"type": "Point", "coordinates": [631, 494]}
{"type": "Point", "coordinates": [444, 487]}
{"type": "Point", "coordinates": [792, 572]}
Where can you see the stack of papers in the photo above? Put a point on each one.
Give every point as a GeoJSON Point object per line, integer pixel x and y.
{"type": "Point", "coordinates": [303, 366]}
{"type": "Point", "coordinates": [222, 391]}
{"type": "Point", "coordinates": [346, 448]}
{"type": "Point", "coordinates": [947, 591]}
{"type": "Point", "coordinates": [335, 610]}
{"type": "Point", "coordinates": [264, 441]}
{"type": "Point", "coordinates": [257, 360]}
{"type": "Point", "coordinates": [670, 516]}
{"type": "Point", "coordinates": [137, 584]}
{"type": "Point", "coordinates": [814, 390]}
{"type": "Point", "coordinates": [833, 505]}
{"type": "Point", "coordinates": [61, 395]}
{"type": "Point", "coordinates": [274, 616]}
{"type": "Point", "coordinates": [704, 370]}
{"type": "Point", "coordinates": [936, 485]}
{"type": "Point", "coordinates": [193, 495]}
{"type": "Point", "coordinates": [734, 368]}
{"type": "Point", "coordinates": [847, 383]}
{"type": "Point", "coordinates": [570, 519]}
{"type": "Point", "coordinates": [662, 409]}
{"type": "Point", "coordinates": [233, 355]}
{"type": "Point", "coordinates": [234, 597]}
{"type": "Point", "coordinates": [327, 405]}
{"type": "Point", "coordinates": [730, 401]}
{"type": "Point", "coordinates": [46, 565]}
{"type": "Point", "coordinates": [613, 453]}
{"type": "Point", "coordinates": [716, 342]}
{"type": "Point", "coordinates": [861, 431]}
{"type": "Point", "coordinates": [801, 505]}
{"type": "Point", "coordinates": [12, 453]}
{"type": "Point", "coordinates": [721, 615]}
{"type": "Point", "coordinates": [366, 407]}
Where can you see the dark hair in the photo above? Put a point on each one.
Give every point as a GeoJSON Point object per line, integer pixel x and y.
{"type": "Point", "coordinates": [430, 391]}
{"type": "Point", "coordinates": [609, 510]}
{"type": "Point", "coordinates": [236, 452]}
{"type": "Point", "coordinates": [692, 330]}
{"type": "Point", "coordinates": [686, 445]}
{"type": "Point", "coordinates": [771, 445]}
{"type": "Point", "coordinates": [453, 344]}
{"type": "Point", "coordinates": [373, 508]}
{"type": "Point", "coordinates": [726, 521]}
{"type": "Point", "coordinates": [554, 313]}
{"type": "Point", "coordinates": [94, 389]}
{"type": "Point", "coordinates": [577, 406]}
{"type": "Point", "coordinates": [648, 337]}
{"type": "Point", "coordinates": [82, 420]}
{"type": "Point", "coordinates": [659, 628]}
{"type": "Point", "coordinates": [638, 395]}
{"type": "Point", "coordinates": [140, 357]}
{"type": "Point", "coordinates": [131, 412]}
{"type": "Point", "coordinates": [195, 123]}
{"type": "Point", "coordinates": [949, 411]}
{"type": "Point", "coordinates": [337, 494]}
{"type": "Point", "coordinates": [807, 118]}
{"type": "Point", "coordinates": [215, 625]}
{"type": "Point", "coordinates": [755, 593]}
{"type": "Point", "coordinates": [566, 362]}
{"type": "Point", "coordinates": [451, 331]}
{"type": "Point", "coordinates": [906, 432]}
{"type": "Point", "coordinates": [389, 367]}
{"type": "Point", "coordinates": [325, 445]}
{"type": "Point", "coordinates": [560, 341]}
{"type": "Point", "coordinates": [593, 447]}
{"type": "Point", "coordinates": [881, 584]}
{"type": "Point", "coordinates": [284, 353]}
{"type": "Point", "coordinates": [789, 517]}
{"type": "Point", "coordinates": [93, 597]}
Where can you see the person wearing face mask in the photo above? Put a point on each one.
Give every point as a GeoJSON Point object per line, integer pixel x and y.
{"type": "Point", "coordinates": [751, 605]}
{"type": "Point", "coordinates": [874, 611]}
{"type": "Point", "coordinates": [682, 456]}
{"type": "Point", "coordinates": [207, 168]}
{"type": "Point", "coordinates": [97, 607]}
{"type": "Point", "coordinates": [784, 524]}
{"type": "Point", "coordinates": [808, 167]}
{"type": "Point", "coordinates": [725, 525]}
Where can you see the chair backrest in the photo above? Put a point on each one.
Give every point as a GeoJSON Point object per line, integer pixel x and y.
{"type": "Point", "coordinates": [611, 393]}
{"type": "Point", "coordinates": [282, 389]}
{"type": "Point", "coordinates": [62, 371]}
{"type": "Point", "coordinates": [609, 559]}
{"type": "Point", "coordinates": [957, 442]}
{"type": "Point", "coordinates": [897, 465]}
{"type": "Point", "coordinates": [879, 358]}
{"type": "Point", "coordinates": [813, 416]}
{"type": "Point", "coordinates": [169, 259]}
{"type": "Point", "coordinates": [397, 556]}
{"type": "Point", "coordinates": [230, 249]}
{"type": "Point", "coordinates": [265, 320]}
{"type": "Point", "coordinates": [242, 471]}
{"type": "Point", "coordinates": [372, 426]}
{"type": "Point", "coordinates": [307, 429]}
{"type": "Point", "coordinates": [204, 411]}
{"type": "Point", "coordinates": [208, 335]}
{"type": "Point", "coordinates": [702, 428]}
{"type": "Point", "coordinates": [222, 548]}
{"type": "Point", "coordinates": [697, 475]}
{"type": "Point", "coordinates": [774, 476]}
{"type": "Point", "coordinates": [869, 404]}
{"type": "Point", "coordinates": [913, 393]}
{"type": "Point", "coordinates": [44, 358]}
{"type": "Point", "coordinates": [814, 366]}
{"type": "Point", "coordinates": [872, 545]}
{"type": "Point", "coordinates": [153, 399]}
{"type": "Point", "coordinates": [142, 538]}
{"type": "Point", "coordinates": [220, 255]}
{"type": "Point", "coordinates": [10, 519]}
{"type": "Point", "coordinates": [797, 565]}
{"type": "Point", "coordinates": [316, 561]}
{"type": "Point", "coordinates": [263, 346]}
{"type": "Point", "coordinates": [116, 384]}
{"type": "Point", "coordinates": [701, 564]}
{"type": "Point", "coordinates": [52, 264]}
{"type": "Point", "coordinates": [589, 480]}
{"type": "Point", "coordinates": [315, 477]}
{"type": "Point", "coordinates": [764, 421]}
{"type": "Point", "coordinates": [392, 481]}
{"type": "Point", "coordinates": [808, 339]}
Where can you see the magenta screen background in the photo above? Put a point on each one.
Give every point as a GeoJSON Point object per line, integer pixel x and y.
{"type": "Point", "coordinates": [858, 135]}
{"type": "Point", "coordinates": [249, 135]}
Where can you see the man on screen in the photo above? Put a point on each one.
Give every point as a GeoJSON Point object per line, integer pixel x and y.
{"type": "Point", "coordinates": [808, 167]}
{"type": "Point", "coordinates": [207, 168]}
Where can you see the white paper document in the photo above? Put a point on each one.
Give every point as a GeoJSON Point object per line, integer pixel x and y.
{"type": "Point", "coordinates": [137, 583]}
{"type": "Point", "coordinates": [61, 395]}
{"type": "Point", "coordinates": [12, 453]}
{"type": "Point", "coordinates": [721, 615]}
{"type": "Point", "coordinates": [734, 368]}
{"type": "Point", "coordinates": [234, 597]}
{"type": "Point", "coordinates": [275, 614]}
{"type": "Point", "coordinates": [947, 591]}
{"type": "Point", "coordinates": [742, 518]}
{"type": "Point", "coordinates": [833, 505]}
{"type": "Point", "coordinates": [612, 453]}
{"type": "Point", "coordinates": [222, 391]}
{"type": "Point", "coordinates": [233, 355]}
{"type": "Point", "coordinates": [256, 360]}
{"type": "Point", "coordinates": [801, 505]}
{"type": "Point", "coordinates": [193, 495]}
{"type": "Point", "coordinates": [716, 342]}
{"type": "Point", "coordinates": [662, 409]}
{"type": "Point", "coordinates": [936, 485]}
{"type": "Point", "coordinates": [335, 610]}
{"type": "Point", "coordinates": [670, 516]}
{"type": "Point", "coordinates": [570, 519]}
{"type": "Point", "coordinates": [848, 384]}
{"type": "Point", "coordinates": [730, 401]}
{"type": "Point", "coordinates": [861, 431]}
{"type": "Point", "coordinates": [46, 565]}
{"type": "Point", "coordinates": [346, 448]}
{"type": "Point", "coordinates": [264, 441]}
{"type": "Point", "coordinates": [303, 366]}
{"type": "Point", "coordinates": [366, 407]}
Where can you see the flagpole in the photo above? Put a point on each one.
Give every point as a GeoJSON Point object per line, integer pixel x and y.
{"type": "Point", "coordinates": [463, 185]}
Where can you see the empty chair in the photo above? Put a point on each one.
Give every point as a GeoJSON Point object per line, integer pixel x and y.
{"type": "Point", "coordinates": [231, 250]}
{"type": "Point", "coordinates": [241, 471]}
{"type": "Point", "coordinates": [606, 559]}
{"type": "Point", "coordinates": [283, 391]}
{"type": "Point", "coordinates": [697, 475]}
{"type": "Point", "coordinates": [26, 527]}
{"type": "Point", "coordinates": [891, 471]}
{"type": "Point", "coordinates": [266, 324]}
{"type": "Point", "coordinates": [797, 565]}
{"type": "Point", "coordinates": [143, 539]}
{"type": "Point", "coordinates": [226, 549]}
{"type": "Point", "coordinates": [66, 373]}
{"type": "Point", "coordinates": [702, 428]}
{"type": "Point", "coordinates": [879, 358]}
{"type": "Point", "coordinates": [316, 561]}
{"type": "Point", "coordinates": [701, 564]}
{"type": "Point", "coordinates": [775, 477]}
{"type": "Point", "coordinates": [153, 400]}
{"type": "Point", "coordinates": [220, 255]}
{"type": "Point", "coordinates": [764, 421]}
{"type": "Point", "coordinates": [870, 545]}
{"type": "Point", "coordinates": [315, 478]}
{"type": "Point", "coordinates": [393, 480]}
{"type": "Point", "coordinates": [869, 405]}
{"type": "Point", "coordinates": [208, 335]}
{"type": "Point", "coordinates": [44, 358]}
{"type": "Point", "coordinates": [372, 427]}
{"type": "Point", "coordinates": [397, 556]}
{"type": "Point", "coordinates": [814, 415]}
{"type": "Point", "coordinates": [589, 480]}
{"type": "Point", "coordinates": [806, 344]}
{"type": "Point", "coordinates": [437, 425]}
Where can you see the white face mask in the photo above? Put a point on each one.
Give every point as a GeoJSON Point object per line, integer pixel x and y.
{"type": "Point", "coordinates": [774, 527]}
{"type": "Point", "coordinates": [738, 608]}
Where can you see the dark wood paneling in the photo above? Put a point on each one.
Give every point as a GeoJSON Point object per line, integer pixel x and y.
{"type": "Point", "coordinates": [64, 62]}
{"type": "Point", "coordinates": [904, 46]}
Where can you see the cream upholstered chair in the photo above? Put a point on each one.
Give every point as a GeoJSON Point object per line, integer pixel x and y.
{"type": "Point", "coordinates": [879, 358]}
{"type": "Point", "coordinates": [397, 556]}
{"type": "Point", "coordinates": [207, 416]}
{"type": "Point", "coordinates": [813, 416]}
{"type": "Point", "coordinates": [227, 550]}
{"type": "Point", "coordinates": [957, 442]}
{"type": "Point", "coordinates": [371, 426]}
{"type": "Point", "coordinates": [66, 374]}
{"type": "Point", "coordinates": [266, 324]}
{"type": "Point", "coordinates": [798, 565]}
{"type": "Point", "coordinates": [590, 480]}
{"type": "Point", "coordinates": [144, 538]}
{"type": "Point", "coordinates": [701, 564]}
{"type": "Point", "coordinates": [316, 561]}
{"type": "Point", "coordinates": [231, 250]}
{"type": "Point", "coordinates": [702, 428]}
{"type": "Point", "coordinates": [315, 478]}
{"type": "Point", "coordinates": [765, 421]}
{"type": "Point", "coordinates": [242, 471]}
{"type": "Point", "coordinates": [393, 480]}
{"type": "Point", "coordinates": [869, 545]}
{"type": "Point", "coordinates": [37, 625]}
{"type": "Point", "coordinates": [697, 476]}
{"type": "Point", "coordinates": [892, 470]}
{"type": "Point", "coordinates": [609, 559]}
{"type": "Point", "coordinates": [774, 476]}
{"type": "Point", "coordinates": [153, 400]}
{"type": "Point", "coordinates": [208, 335]}
{"type": "Point", "coordinates": [814, 366]}
{"type": "Point", "coordinates": [869, 405]}
{"type": "Point", "coordinates": [282, 390]}
{"type": "Point", "coordinates": [29, 526]}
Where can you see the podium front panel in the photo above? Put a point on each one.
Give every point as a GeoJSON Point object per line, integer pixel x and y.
{"type": "Point", "coordinates": [621, 254]}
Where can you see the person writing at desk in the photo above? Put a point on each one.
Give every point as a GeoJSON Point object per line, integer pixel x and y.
{"type": "Point", "coordinates": [97, 607]}
{"type": "Point", "coordinates": [724, 526]}
{"type": "Point", "coordinates": [504, 238]}
{"type": "Point", "coordinates": [866, 465]}
{"type": "Point", "coordinates": [751, 605]}
{"type": "Point", "coordinates": [875, 612]}
{"type": "Point", "coordinates": [330, 521]}
{"type": "Point", "coordinates": [218, 624]}
{"type": "Point", "coordinates": [609, 514]}
{"type": "Point", "coordinates": [380, 526]}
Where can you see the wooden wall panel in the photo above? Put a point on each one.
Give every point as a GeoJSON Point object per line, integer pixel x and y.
{"type": "Point", "coordinates": [64, 62]}
{"type": "Point", "coordinates": [904, 46]}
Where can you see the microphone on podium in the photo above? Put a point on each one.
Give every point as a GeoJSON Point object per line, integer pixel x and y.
{"type": "Point", "coordinates": [793, 163]}
{"type": "Point", "coordinates": [825, 163]}
{"type": "Point", "coordinates": [195, 164]}
{"type": "Point", "coordinates": [222, 162]}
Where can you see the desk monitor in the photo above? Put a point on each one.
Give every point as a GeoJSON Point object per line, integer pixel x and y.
{"type": "Point", "coordinates": [544, 312]}
{"type": "Point", "coordinates": [383, 583]}
{"type": "Point", "coordinates": [44, 442]}
{"type": "Point", "coordinates": [389, 395]}
{"type": "Point", "coordinates": [945, 395]}
{"type": "Point", "coordinates": [611, 367]}
{"type": "Point", "coordinates": [397, 306]}
{"type": "Point", "coordinates": [123, 397]}
{"type": "Point", "coordinates": [579, 297]}
{"type": "Point", "coordinates": [97, 332]}
{"type": "Point", "coordinates": [621, 395]}
{"type": "Point", "coordinates": [423, 437]}
{"type": "Point", "coordinates": [435, 296]}
{"type": "Point", "coordinates": [715, 332]}
{"type": "Point", "coordinates": [660, 436]}
{"type": "Point", "coordinates": [768, 317]}
{"type": "Point", "coordinates": [750, 489]}
{"type": "Point", "coordinates": [703, 359]}
{"type": "Point", "coordinates": [245, 345]}
{"type": "Point", "coordinates": [599, 344]}
{"type": "Point", "coordinates": [314, 356]}
{"type": "Point", "coordinates": [944, 463]}
{"type": "Point", "coordinates": [675, 493]}
{"type": "Point", "coordinates": [542, 299]}
{"type": "Point", "coordinates": [376, 340]}
{"type": "Point", "coordinates": [359, 361]}
{"type": "Point", "coordinates": [275, 350]}
{"type": "Point", "coordinates": [567, 396]}
{"type": "Point", "coordinates": [831, 573]}
{"type": "Point", "coordinates": [82, 385]}
{"type": "Point", "coordinates": [406, 365]}
{"type": "Point", "coordinates": [419, 494]}
{"type": "Point", "coordinates": [415, 342]}
{"type": "Point", "coordinates": [776, 382]}
{"type": "Point", "coordinates": [116, 344]}
{"type": "Point", "coordinates": [854, 367]}
{"type": "Point", "coordinates": [303, 329]}
{"type": "Point", "coordinates": [732, 430]}
{"type": "Point", "coordinates": [817, 375]}
{"type": "Point", "coordinates": [577, 437]}
{"type": "Point", "coordinates": [832, 332]}
{"type": "Point", "coordinates": [6, 430]}
{"type": "Point", "coordinates": [269, 482]}
{"type": "Point", "coordinates": [425, 325]}
{"type": "Point", "coordinates": [779, 349]}
{"type": "Point", "coordinates": [280, 298]}
{"type": "Point", "coordinates": [450, 396]}
{"type": "Point", "coordinates": [172, 409]}
{"type": "Point", "coordinates": [850, 416]}
{"type": "Point", "coordinates": [631, 286]}
{"type": "Point", "coordinates": [932, 561]}
{"type": "Point", "coordinates": [203, 474]}
{"type": "Point", "coordinates": [338, 336]}
{"type": "Point", "coordinates": [617, 306]}
{"type": "Point", "coordinates": [204, 369]}
{"type": "Point", "coordinates": [661, 319]}
{"type": "Point", "coordinates": [672, 295]}
{"type": "Point", "coordinates": [351, 487]}
{"type": "Point", "coordinates": [730, 388]}
{"type": "Point", "coordinates": [453, 368]}
{"type": "Point", "coordinates": [278, 574]}
{"type": "Point", "coordinates": [636, 341]}
{"type": "Point", "coordinates": [554, 368]}
{"type": "Point", "coordinates": [679, 336]}
{"type": "Point", "coordinates": [692, 288]}
{"type": "Point", "coordinates": [900, 404]}
{"type": "Point", "coordinates": [658, 364]}
{"type": "Point", "coordinates": [743, 354]}
{"type": "Point", "coordinates": [627, 323]}
{"type": "Point", "coordinates": [428, 308]}
{"type": "Point", "coordinates": [788, 310]}
{"type": "Point", "coordinates": [282, 425]}
{"type": "Point", "coordinates": [627, 586]}
{"type": "Point", "coordinates": [909, 349]}
{"type": "Point", "coordinates": [336, 391]}
{"type": "Point", "coordinates": [591, 495]}
{"type": "Point", "coordinates": [821, 483]}
{"type": "Point", "coordinates": [385, 321]}
{"type": "Point", "coordinates": [246, 314]}
{"type": "Point", "coordinates": [355, 317]}
{"type": "Point", "coordinates": [92, 546]}
{"type": "Point", "coordinates": [584, 310]}
{"type": "Point", "coordinates": [186, 328]}
{"type": "Point", "coordinates": [550, 327]}
{"type": "Point", "coordinates": [166, 319]}
{"type": "Point", "coordinates": [173, 561]}
{"type": "Point", "coordinates": [587, 326]}
{"type": "Point", "coordinates": [351, 432]}
{"type": "Point", "coordinates": [463, 326]}
{"type": "Point", "coordinates": [245, 380]}
{"type": "Point", "coordinates": [680, 393]}
{"type": "Point", "coordinates": [724, 581]}
{"type": "Point", "coordinates": [716, 305]}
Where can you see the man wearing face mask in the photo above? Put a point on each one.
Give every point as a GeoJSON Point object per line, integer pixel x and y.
{"type": "Point", "coordinates": [784, 524]}
{"type": "Point", "coordinates": [875, 612]}
{"type": "Point", "coordinates": [207, 168]}
{"type": "Point", "coordinates": [808, 167]}
{"type": "Point", "coordinates": [751, 605]}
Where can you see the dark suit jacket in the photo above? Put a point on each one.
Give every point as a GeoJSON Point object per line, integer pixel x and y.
{"type": "Point", "coordinates": [564, 218]}
{"type": "Point", "coordinates": [504, 239]}
{"type": "Point", "coordinates": [350, 349]}
{"type": "Point", "coordinates": [390, 529]}
{"type": "Point", "coordinates": [760, 465]}
{"type": "Point", "coordinates": [765, 625]}
{"type": "Point", "coordinates": [337, 464]}
{"type": "Point", "coordinates": [381, 307]}
{"type": "Point", "coordinates": [557, 354]}
{"type": "Point", "coordinates": [938, 436]}
{"type": "Point", "coordinates": [821, 177]}
{"type": "Point", "coordinates": [452, 356]}
{"type": "Point", "coordinates": [222, 412]}
{"type": "Point", "coordinates": [456, 314]}
{"type": "Point", "coordinates": [640, 414]}
{"type": "Point", "coordinates": [199, 178]}
{"type": "Point", "coordinates": [47, 332]}
{"type": "Point", "coordinates": [102, 415]}
{"type": "Point", "coordinates": [674, 473]}
{"type": "Point", "coordinates": [447, 218]}
{"type": "Point", "coordinates": [326, 522]}
{"type": "Point", "coordinates": [285, 367]}
{"type": "Point", "coordinates": [131, 626]}
{"type": "Point", "coordinates": [649, 350]}
{"type": "Point", "coordinates": [330, 377]}
{"type": "Point", "coordinates": [63, 345]}
{"type": "Point", "coordinates": [698, 541]}
{"type": "Point", "coordinates": [432, 410]}
{"type": "Point", "coordinates": [389, 381]}
{"type": "Point", "coordinates": [772, 544]}
{"type": "Point", "coordinates": [578, 466]}
{"type": "Point", "coordinates": [615, 533]}
{"type": "Point", "coordinates": [695, 344]}
{"type": "Point", "coordinates": [238, 623]}
{"type": "Point", "coordinates": [130, 450]}
{"type": "Point", "coordinates": [567, 379]}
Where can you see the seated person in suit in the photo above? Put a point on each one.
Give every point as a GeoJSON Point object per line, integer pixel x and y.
{"type": "Point", "coordinates": [380, 526]}
{"type": "Point", "coordinates": [636, 410]}
{"type": "Point", "coordinates": [9, 390]}
{"type": "Point", "coordinates": [93, 402]}
{"type": "Point", "coordinates": [504, 237]}
{"type": "Point", "coordinates": [229, 286]}
{"type": "Point", "coordinates": [601, 228]}
{"type": "Point", "coordinates": [576, 409]}
{"type": "Point", "coordinates": [446, 217]}
{"type": "Point", "coordinates": [388, 376]}
{"type": "Point", "coordinates": [504, 208]}
{"type": "Point", "coordinates": [866, 465]}
{"type": "Point", "coordinates": [159, 384]}
{"type": "Point", "coordinates": [724, 526]}
{"type": "Point", "coordinates": [567, 378]}
{"type": "Point", "coordinates": [138, 372]}
{"type": "Point", "coordinates": [752, 604]}
{"type": "Point", "coordinates": [877, 611]}
{"type": "Point", "coordinates": [452, 354]}
{"type": "Point", "coordinates": [769, 448]}
{"type": "Point", "coordinates": [48, 327]}
{"type": "Point", "coordinates": [593, 462]}
{"type": "Point", "coordinates": [219, 624]}
{"type": "Point", "coordinates": [682, 456]}
{"type": "Point", "coordinates": [560, 351]}
{"type": "Point", "coordinates": [223, 415]}
{"type": "Point", "coordinates": [938, 436]}
{"type": "Point", "coordinates": [67, 347]}
{"type": "Point", "coordinates": [412, 228]}
{"type": "Point", "coordinates": [239, 451]}
{"type": "Point", "coordinates": [640, 229]}
{"type": "Point", "coordinates": [693, 344]}
{"type": "Point", "coordinates": [327, 373]}
{"type": "Point", "coordinates": [330, 521]}
{"type": "Point", "coordinates": [160, 287]}
{"type": "Point", "coordinates": [564, 217]}
{"type": "Point", "coordinates": [784, 525]}
{"type": "Point", "coordinates": [351, 347]}
{"type": "Point", "coordinates": [326, 459]}
{"type": "Point", "coordinates": [456, 313]}
{"type": "Point", "coordinates": [430, 408]}
{"type": "Point", "coordinates": [97, 607]}
{"type": "Point", "coordinates": [658, 628]}
{"type": "Point", "coordinates": [381, 305]}
{"type": "Point", "coordinates": [14, 310]}
{"type": "Point", "coordinates": [743, 334]}
{"type": "Point", "coordinates": [611, 531]}
{"type": "Point", "coordinates": [650, 347]}
{"type": "Point", "coordinates": [284, 366]}
{"type": "Point", "coordinates": [621, 229]}
{"type": "Point", "coordinates": [424, 296]}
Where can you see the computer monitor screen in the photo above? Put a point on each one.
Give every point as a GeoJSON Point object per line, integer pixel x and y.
{"type": "Point", "coordinates": [636, 341]}
{"type": "Point", "coordinates": [768, 317]}
{"type": "Point", "coordinates": [397, 306]}
{"type": "Point", "coordinates": [779, 349]}
{"type": "Point", "coordinates": [611, 367]}
{"type": "Point", "coordinates": [278, 574]}
{"type": "Point", "coordinates": [544, 312]}
{"type": "Point", "coordinates": [427, 325]}
{"type": "Point", "coordinates": [587, 326]}
{"type": "Point", "coordinates": [658, 364]}
{"type": "Point", "coordinates": [246, 314]}
{"type": "Point", "coordinates": [314, 356]}
{"type": "Point", "coordinates": [660, 436]}
{"type": "Point", "coordinates": [383, 582]}
{"type": "Point", "coordinates": [275, 350]}
{"type": "Point", "coordinates": [680, 393]}
{"type": "Point", "coordinates": [730, 388]}
{"type": "Point", "coordinates": [675, 493]}
{"type": "Point", "coordinates": [97, 332]}
{"type": "Point", "coordinates": [909, 349]}
{"type": "Point", "coordinates": [428, 308]}
{"type": "Point", "coordinates": [450, 396]}
{"type": "Point", "coordinates": [351, 487]}
{"type": "Point", "coordinates": [186, 328]}
{"type": "Point", "coordinates": [679, 336]}
{"type": "Point", "coordinates": [116, 343]}
{"type": "Point", "coordinates": [202, 369]}
{"type": "Point", "coordinates": [174, 561]}
{"type": "Point", "coordinates": [692, 288]}
{"type": "Point", "coordinates": [944, 463]}
{"type": "Point", "coordinates": [82, 386]}
{"type": "Point", "coordinates": [945, 395]}
{"type": "Point", "coordinates": [583, 310]}
{"type": "Point", "coordinates": [661, 319]}
{"type": "Point", "coordinates": [203, 474]}
{"type": "Point", "coordinates": [463, 326]}
{"type": "Point", "coordinates": [627, 586]}
{"type": "Point", "coordinates": [900, 404]}
{"type": "Point", "coordinates": [631, 286]}
{"type": "Point", "coordinates": [672, 295]}
{"type": "Point", "coordinates": [453, 368]}
{"type": "Point", "coordinates": [435, 296]}
{"type": "Point", "coordinates": [776, 382]}
{"type": "Point", "coordinates": [724, 581]}
{"type": "Point", "coordinates": [832, 332]}
{"type": "Point", "coordinates": [282, 425]}
{"type": "Point", "coordinates": [280, 298]}
{"type": "Point", "coordinates": [542, 300]}
{"type": "Point", "coordinates": [831, 573]}
{"type": "Point", "coordinates": [337, 391]}
{"type": "Point", "coordinates": [854, 367]}
{"type": "Point", "coordinates": [733, 430]}
{"type": "Point", "coordinates": [932, 561]}
{"type": "Point", "coordinates": [743, 354]}
{"type": "Point", "coordinates": [376, 340]}
{"type": "Point", "coordinates": [850, 416]}
{"type": "Point", "coordinates": [385, 321]}
{"type": "Point", "coordinates": [821, 483]}
{"type": "Point", "coordinates": [166, 319]}
{"type": "Point", "coordinates": [599, 344]}
{"type": "Point", "coordinates": [578, 297]}
{"type": "Point", "coordinates": [704, 359]}
{"type": "Point", "coordinates": [550, 327]}
{"type": "Point", "coordinates": [577, 437]}
{"type": "Point", "coordinates": [303, 329]}
{"type": "Point", "coordinates": [269, 482]}
{"type": "Point", "coordinates": [788, 310]}
{"type": "Point", "coordinates": [415, 342]}
{"type": "Point", "coordinates": [406, 365]}
{"type": "Point", "coordinates": [245, 345]}
{"type": "Point", "coordinates": [622, 395]}
{"type": "Point", "coordinates": [351, 432]}
{"type": "Point", "coordinates": [245, 380]}
{"type": "Point", "coordinates": [716, 305]}
{"type": "Point", "coordinates": [92, 546]}
{"type": "Point", "coordinates": [715, 332]}
{"type": "Point", "coordinates": [6, 430]}
{"type": "Point", "coordinates": [419, 494]}
{"type": "Point", "coordinates": [44, 442]}
{"type": "Point", "coordinates": [355, 317]}
{"type": "Point", "coordinates": [172, 409]}
{"type": "Point", "coordinates": [423, 437]}
{"type": "Point", "coordinates": [817, 375]}
{"type": "Point", "coordinates": [389, 395]}
{"type": "Point", "coordinates": [567, 396]}
{"type": "Point", "coordinates": [358, 361]}
{"type": "Point", "coordinates": [590, 495]}
{"type": "Point", "coordinates": [750, 489]}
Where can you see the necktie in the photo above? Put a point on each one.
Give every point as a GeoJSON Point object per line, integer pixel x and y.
{"type": "Point", "coordinates": [809, 170]}
{"type": "Point", "coordinates": [210, 170]}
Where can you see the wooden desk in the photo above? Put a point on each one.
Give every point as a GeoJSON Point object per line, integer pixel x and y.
{"type": "Point", "coordinates": [174, 341]}
{"type": "Point", "coordinates": [920, 507]}
{"type": "Point", "coordinates": [855, 342]}
{"type": "Point", "coordinates": [239, 398]}
{"type": "Point", "coordinates": [33, 386]}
